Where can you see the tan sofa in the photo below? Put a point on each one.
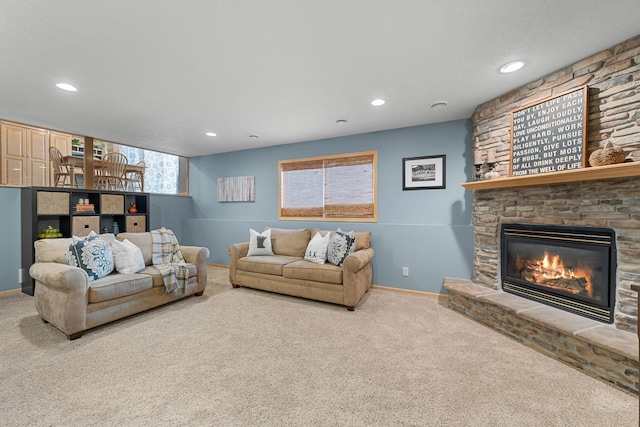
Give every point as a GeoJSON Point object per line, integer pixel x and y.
{"type": "Point", "coordinates": [286, 272]}
{"type": "Point", "coordinates": [66, 298]}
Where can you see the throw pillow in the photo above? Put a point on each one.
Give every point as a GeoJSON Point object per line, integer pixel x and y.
{"type": "Point", "coordinates": [92, 254]}
{"type": "Point", "coordinates": [127, 257]}
{"type": "Point", "coordinates": [259, 244]}
{"type": "Point", "coordinates": [317, 248]}
{"type": "Point", "coordinates": [341, 245]}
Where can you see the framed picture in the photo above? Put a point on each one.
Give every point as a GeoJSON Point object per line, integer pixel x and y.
{"type": "Point", "coordinates": [423, 173]}
{"type": "Point", "coordinates": [236, 189]}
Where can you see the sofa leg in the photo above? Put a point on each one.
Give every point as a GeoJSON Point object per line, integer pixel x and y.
{"type": "Point", "coordinates": [351, 308]}
{"type": "Point", "coordinates": [235, 286]}
{"type": "Point", "coordinates": [75, 336]}
{"type": "Point", "coordinates": [199, 294]}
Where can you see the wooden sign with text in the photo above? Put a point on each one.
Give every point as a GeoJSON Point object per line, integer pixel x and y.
{"type": "Point", "coordinates": [551, 135]}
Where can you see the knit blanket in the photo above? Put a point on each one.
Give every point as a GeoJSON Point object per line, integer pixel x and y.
{"type": "Point", "coordinates": [167, 258]}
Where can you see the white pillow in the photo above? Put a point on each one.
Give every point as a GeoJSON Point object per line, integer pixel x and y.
{"type": "Point", "coordinates": [127, 256]}
{"type": "Point", "coordinates": [317, 248]}
{"type": "Point", "coordinates": [259, 244]}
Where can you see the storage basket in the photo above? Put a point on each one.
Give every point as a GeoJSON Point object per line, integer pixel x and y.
{"type": "Point", "coordinates": [82, 225]}
{"type": "Point", "coordinates": [53, 203]}
{"type": "Point", "coordinates": [136, 223]}
{"type": "Point", "coordinates": [112, 204]}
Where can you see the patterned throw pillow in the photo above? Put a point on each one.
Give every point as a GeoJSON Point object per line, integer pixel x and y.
{"type": "Point", "coordinates": [259, 244]}
{"type": "Point", "coordinates": [91, 254]}
{"type": "Point", "coordinates": [317, 249]}
{"type": "Point", "coordinates": [341, 245]}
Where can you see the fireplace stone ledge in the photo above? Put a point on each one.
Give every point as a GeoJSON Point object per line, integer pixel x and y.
{"type": "Point", "coordinates": [598, 349]}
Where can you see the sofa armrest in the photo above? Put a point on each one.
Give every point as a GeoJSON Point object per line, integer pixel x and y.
{"type": "Point", "coordinates": [357, 274]}
{"type": "Point", "coordinates": [357, 260]}
{"type": "Point", "coordinates": [236, 251]}
{"type": "Point", "coordinates": [197, 255]}
{"type": "Point", "coordinates": [60, 276]}
{"type": "Point", "coordinates": [61, 295]}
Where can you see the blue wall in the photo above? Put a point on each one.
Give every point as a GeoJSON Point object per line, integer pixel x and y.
{"type": "Point", "coordinates": [10, 248]}
{"type": "Point", "coordinates": [428, 231]}
{"type": "Point", "coordinates": [171, 212]}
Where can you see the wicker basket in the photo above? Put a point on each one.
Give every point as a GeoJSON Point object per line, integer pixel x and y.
{"type": "Point", "coordinates": [53, 203]}
{"type": "Point", "coordinates": [136, 223]}
{"type": "Point", "coordinates": [607, 155]}
{"type": "Point", "coordinates": [83, 225]}
{"type": "Point", "coordinates": [112, 204]}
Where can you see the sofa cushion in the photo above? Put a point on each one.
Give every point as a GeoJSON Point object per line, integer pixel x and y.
{"type": "Point", "coordinates": [92, 254]}
{"type": "Point", "coordinates": [289, 242]}
{"type": "Point", "coordinates": [265, 264]}
{"type": "Point", "coordinates": [340, 246]}
{"type": "Point", "coordinates": [118, 285]}
{"type": "Point", "coordinates": [259, 243]}
{"type": "Point", "coordinates": [156, 275]}
{"type": "Point", "coordinates": [53, 250]}
{"type": "Point", "coordinates": [141, 240]}
{"type": "Point", "coordinates": [305, 270]}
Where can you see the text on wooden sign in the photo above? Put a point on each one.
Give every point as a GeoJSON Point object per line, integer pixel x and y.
{"type": "Point", "coordinates": [551, 135]}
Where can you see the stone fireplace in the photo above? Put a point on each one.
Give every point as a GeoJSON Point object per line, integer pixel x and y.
{"type": "Point", "coordinates": [606, 197]}
{"type": "Point", "coordinates": [612, 204]}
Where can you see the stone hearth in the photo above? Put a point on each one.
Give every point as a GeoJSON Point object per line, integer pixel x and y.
{"type": "Point", "coordinates": [598, 349]}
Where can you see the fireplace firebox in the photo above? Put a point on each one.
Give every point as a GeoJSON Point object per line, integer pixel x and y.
{"type": "Point", "coordinates": [571, 268]}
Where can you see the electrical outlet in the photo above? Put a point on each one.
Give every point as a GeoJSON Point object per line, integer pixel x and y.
{"type": "Point", "coordinates": [20, 275]}
{"type": "Point", "coordinates": [405, 271]}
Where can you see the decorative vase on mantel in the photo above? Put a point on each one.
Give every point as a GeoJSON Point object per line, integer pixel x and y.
{"type": "Point", "coordinates": [133, 209]}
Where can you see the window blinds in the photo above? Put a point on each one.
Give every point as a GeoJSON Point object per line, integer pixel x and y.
{"type": "Point", "coordinates": [338, 187]}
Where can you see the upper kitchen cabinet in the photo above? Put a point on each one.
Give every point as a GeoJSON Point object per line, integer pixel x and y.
{"type": "Point", "coordinates": [24, 155]}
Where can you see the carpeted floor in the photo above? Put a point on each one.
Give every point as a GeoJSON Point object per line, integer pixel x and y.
{"type": "Point", "coordinates": [240, 357]}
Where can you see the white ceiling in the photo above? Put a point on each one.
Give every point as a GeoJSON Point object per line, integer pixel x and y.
{"type": "Point", "coordinates": [159, 74]}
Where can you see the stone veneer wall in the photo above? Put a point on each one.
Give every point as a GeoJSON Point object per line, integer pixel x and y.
{"type": "Point", "coordinates": [613, 78]}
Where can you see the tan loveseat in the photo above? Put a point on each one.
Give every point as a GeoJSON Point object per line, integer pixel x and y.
{"type": "Point", "coordinates": [287, 272]}
{"type": "Point", "coordinates": [66, 298]}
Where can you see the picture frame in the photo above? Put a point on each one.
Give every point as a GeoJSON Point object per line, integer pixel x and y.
{"type": "Point", "coordinates": [236, 189]}
{"type": "Point", "coordinates": [424, 173]}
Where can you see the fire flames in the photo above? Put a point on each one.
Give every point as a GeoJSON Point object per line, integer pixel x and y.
{"type": "Point", "coordinates": [550, 271]}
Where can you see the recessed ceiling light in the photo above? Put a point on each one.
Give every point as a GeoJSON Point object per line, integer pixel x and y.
{"type": "Point", "coordinates": [511, 67]}
{"type": "Point", "coordinates": [378, 102]}
{"type": "Point", "coordinates": [211, 134]}
{"type": "Point", "coordinates": [341, 121]}
{"type": "Point", "coordinates": [67, 87]}
{"type": "Point", "coordinates": [253, 135]}
{"type": "Point", "coordinates": [439, 104]}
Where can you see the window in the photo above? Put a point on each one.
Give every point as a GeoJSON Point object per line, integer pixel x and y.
{"type": "Point", "coordinates": [329, 188]}
{"type": "Point", "coordinates": [164, 173]}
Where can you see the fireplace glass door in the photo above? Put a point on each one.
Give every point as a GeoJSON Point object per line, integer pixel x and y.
{"type": "Point", "coordinates": [568, 267]}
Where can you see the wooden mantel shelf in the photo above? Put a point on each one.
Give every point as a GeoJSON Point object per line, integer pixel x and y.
{"type": "Point", "coordinates": [621, 170]}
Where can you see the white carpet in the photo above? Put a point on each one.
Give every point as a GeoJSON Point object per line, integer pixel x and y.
{"type": "Point", "coordinates": [240, 357]}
